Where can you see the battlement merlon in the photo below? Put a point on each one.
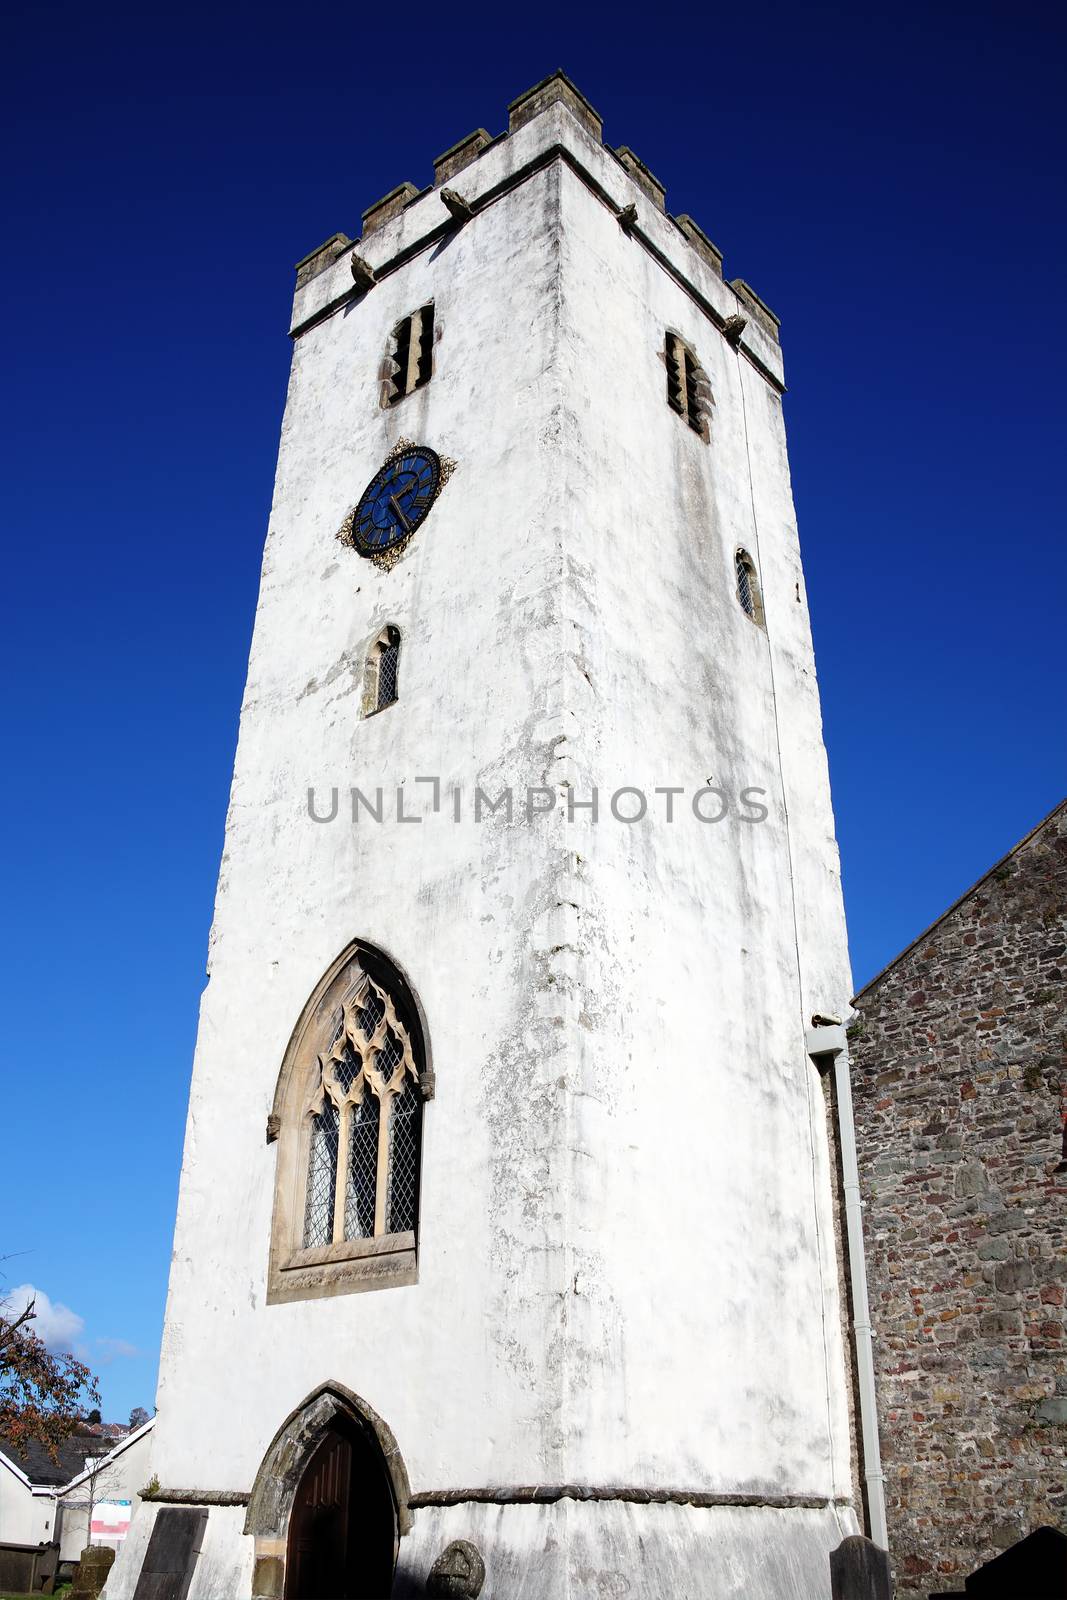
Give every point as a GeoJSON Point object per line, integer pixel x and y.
{"type": "Point", "coordinates": [552, 121]}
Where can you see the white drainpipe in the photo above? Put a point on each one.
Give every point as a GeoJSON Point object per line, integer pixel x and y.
{"type": "Point", "coordinates": [830, 1040]}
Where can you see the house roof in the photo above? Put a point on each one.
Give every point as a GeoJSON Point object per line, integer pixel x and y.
{"type": "Point", "coordinates": [33, 1459]}
{"type": "Point", "coordinates": [129, 1437]}
{"type": "Point", "coordinates": [34, 1462]}
{"type": "Point", "coordinates": [997, 865]}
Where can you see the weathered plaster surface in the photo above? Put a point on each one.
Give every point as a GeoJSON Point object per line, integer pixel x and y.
{"type": "Point", "coordinates": [573, 1548]}
{"type": "Point", "coordinates": [223, 1569]}
{"type": "Point", "coordinates": [626, 1269]}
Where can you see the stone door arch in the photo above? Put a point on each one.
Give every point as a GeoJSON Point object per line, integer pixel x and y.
{"type": "Point", "coordinates": [329, 1412]}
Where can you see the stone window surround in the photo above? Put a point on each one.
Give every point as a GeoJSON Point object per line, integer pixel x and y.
{"type": "Point", "coordinates": [675, 353]}
{"type": "Point", "coordinates": [352, 1265]}
{"type": "Point", "coordinates": [742, 558]}
{"type": "Point", "coordinates": [397, 384]}
{"type": "Point", "coordinates": [389, 635]}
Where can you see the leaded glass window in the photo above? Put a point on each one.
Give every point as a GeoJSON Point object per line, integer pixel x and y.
{"type": "Point", "coordinates": [388, 664]}
{"type": "Point", "coordinates": [322, 1177]}
{"type": "Point", "coordinates": [381, 676]}
{"type": "Point", "coordinates": [748, 592]}
{"type": "Point", "coordinates": [347, 1119]}
{"type": "Point", "coordinates": [365, 1112]}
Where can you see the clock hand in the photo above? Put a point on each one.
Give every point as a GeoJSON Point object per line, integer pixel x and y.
{"type": "Point", "coordinates": [400, 513]}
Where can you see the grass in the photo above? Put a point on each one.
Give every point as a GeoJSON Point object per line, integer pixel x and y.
{"type": "Point", "coordinates": [60, 1592]}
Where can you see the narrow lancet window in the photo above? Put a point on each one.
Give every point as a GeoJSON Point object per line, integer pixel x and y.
{"type": "Point", "coordinates": [381, 673]}
{"type": "Point", "coordinates": [688, 390]}
{"type": "Point", "coordinates": [748, 591]}
{"type": "Point", "coordinates": [410, 362]}
{"type": "Point", "coordinates": [388, 662]}
{"type": "Point", "coordinates": [322, 1178]}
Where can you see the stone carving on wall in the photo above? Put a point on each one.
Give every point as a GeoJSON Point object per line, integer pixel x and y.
{"type": "Point", "coordinates": [458, 1573]}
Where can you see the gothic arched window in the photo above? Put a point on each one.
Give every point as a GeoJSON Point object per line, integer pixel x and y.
{"type": "Point", "coordinates": [348, 1119]}
{"type": "Point", "coordinates": [409, 363]}
{"type": "Point", "coordinates": [380, 685]}
{"type": "Point", "coordinates": [748, 591]}
{"type": "Point", "coordinates": [688, 389]}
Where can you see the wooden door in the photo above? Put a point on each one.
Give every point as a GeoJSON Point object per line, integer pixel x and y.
{"type": "Point", "coordinates": [317, 1563]}
{"type": "Point", "coordinates": [342, 1528]}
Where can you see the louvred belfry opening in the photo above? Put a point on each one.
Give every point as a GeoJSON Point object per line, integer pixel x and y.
{"type": "Point", "coordinates": [411, 353]}
{"type": "Point", "coordinates": [688, 390]}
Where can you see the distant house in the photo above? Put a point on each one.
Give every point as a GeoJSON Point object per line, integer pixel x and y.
{"type": "Point", "coordinates": [29, 1481]}
{"type": "Point", "coordinates": [959, 1083]}
{"type": "Point", "coordinates": [43, 1501]}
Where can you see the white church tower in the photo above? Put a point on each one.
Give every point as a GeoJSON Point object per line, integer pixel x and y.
{"type": "Point", "coordinates": [506, 1206]}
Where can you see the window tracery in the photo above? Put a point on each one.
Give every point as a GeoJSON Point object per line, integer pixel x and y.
{"type": "Point", "coordinates": [363, 1160]}
{"type": "Point", "coordinates": [348, 1120]}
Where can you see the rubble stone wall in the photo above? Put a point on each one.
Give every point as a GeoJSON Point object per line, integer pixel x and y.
{"type": "Point", "coordinates": [959, 1066]}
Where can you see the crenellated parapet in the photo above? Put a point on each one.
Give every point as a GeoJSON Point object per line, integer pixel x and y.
{"type": "Point", "coordinates": [557, 89]}
{"type": "Point", "coordinates": [460, 155]}
{"type": "Point", "coordinates": [551, 121]}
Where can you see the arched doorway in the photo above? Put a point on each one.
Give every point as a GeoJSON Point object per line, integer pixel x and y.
{"type": "Point", "coordinates": [329, 1503]}
{"type": "Point", "coordinates": [342, 1527]}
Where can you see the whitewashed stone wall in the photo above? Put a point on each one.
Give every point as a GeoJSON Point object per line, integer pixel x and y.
{"type": "Point", "coordinates": [25, 1518]}
{"type": "Point", "coordinates": [626, 1255]}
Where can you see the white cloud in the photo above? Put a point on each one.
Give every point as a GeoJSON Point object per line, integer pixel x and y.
{"type": "Point", "coordinates": [55, 1324]}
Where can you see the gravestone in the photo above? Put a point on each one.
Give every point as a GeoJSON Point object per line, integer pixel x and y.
{"type": "Point", "coordinates": [859, 1570]}
{"type": "Point", "coordinates": [90, 1574]}
{"type": "Point", "coordinates": [167, 1569]}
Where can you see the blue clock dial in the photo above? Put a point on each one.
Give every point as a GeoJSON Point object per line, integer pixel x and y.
{"type": "Point", "coordinates": [396, 500]}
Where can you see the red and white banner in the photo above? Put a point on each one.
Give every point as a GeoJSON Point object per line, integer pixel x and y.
{"type": "Point", "coordinates": [111, 1519]}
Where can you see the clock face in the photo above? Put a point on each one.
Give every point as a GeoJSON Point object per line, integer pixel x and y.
{"type": "Point", "coordinates": [396, 500]}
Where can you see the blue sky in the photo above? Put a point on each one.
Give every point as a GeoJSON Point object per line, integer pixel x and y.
{"type": "Point", "coordinates": [889, 179]}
